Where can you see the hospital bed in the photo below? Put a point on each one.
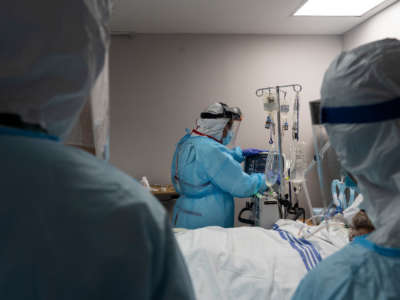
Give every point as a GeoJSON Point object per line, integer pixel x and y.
{"type": "Point", "coordinates": [256, 263]}
{"type": "Point", "coordinates": [261, 263]}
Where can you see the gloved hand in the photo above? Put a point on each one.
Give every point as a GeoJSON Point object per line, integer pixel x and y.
{"type": "Point", "coordinates": [252, 151]}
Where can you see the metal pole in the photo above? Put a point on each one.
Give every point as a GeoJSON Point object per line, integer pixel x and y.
{"type": "Point", "coordinates": [296, 87]}
{"type": "Point", "coordinates": [280, 142]}
{"type": "Point", "coordinates": [259, 93]}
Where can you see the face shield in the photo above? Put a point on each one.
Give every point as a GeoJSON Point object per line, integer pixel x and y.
{"type": "Point", "coordinates": [360, 110]}
{"type": "Point", "coordinates": [233, 132]}
{"type": "Point", "coordinates": [221, 123]}
{"type": "Point", "coordinates": [319, 141]}
{"type": "Point", "coordinates": [324, 166]}
{"type": "Point", "coordinates": [349, 133]}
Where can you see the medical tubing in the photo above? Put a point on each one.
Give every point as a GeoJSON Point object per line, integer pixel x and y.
{"type": "Point", "coordinates": [308, 199]}
{"type": "Point", "coordinates": [305, 225]}
{"type": "Point", "coordinates": [322, 226]}
{"type": "Point", "coordinates": [324, 217]}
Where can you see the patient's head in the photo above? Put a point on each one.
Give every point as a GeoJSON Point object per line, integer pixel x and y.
{"type": "Point", "coordinates": [361, 225]}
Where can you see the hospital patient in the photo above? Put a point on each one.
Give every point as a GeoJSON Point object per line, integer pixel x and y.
{"type": "Point", "coordinates": [71, 226]}
{"type": "Point", "coordinates": [361, 225]}
{"type": "Point", "coordinates": [360, 107]}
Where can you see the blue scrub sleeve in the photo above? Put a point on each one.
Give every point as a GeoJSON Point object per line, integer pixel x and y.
{"type": "Point", "coordinates": [237, 154]}
{"type": "Point", "coordinates": [226, 173]}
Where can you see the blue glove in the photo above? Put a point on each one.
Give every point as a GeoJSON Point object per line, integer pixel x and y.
{"type": "Point", "coordinates": [252, 151]}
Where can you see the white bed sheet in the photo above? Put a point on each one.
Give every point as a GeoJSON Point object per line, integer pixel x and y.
{"type": "Point", "coordinates": [254, 263]}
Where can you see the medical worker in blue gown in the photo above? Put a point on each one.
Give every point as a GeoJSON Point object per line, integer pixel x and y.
{"type": "Point", "coordinates": [361, 111]}
{"type": "Point", "coordinates": [71, 226]}
{"type": "Point", "coordinates": [208, 174]}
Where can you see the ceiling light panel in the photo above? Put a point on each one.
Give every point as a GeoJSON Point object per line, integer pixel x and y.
{"type": "Point", "coordinates": [337, 8]}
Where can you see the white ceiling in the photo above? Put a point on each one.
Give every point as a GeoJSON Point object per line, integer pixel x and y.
{"type": "Point", "coordinates": [226, 17]}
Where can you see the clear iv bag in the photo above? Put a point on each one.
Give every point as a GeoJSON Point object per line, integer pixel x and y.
{"type": "Point", "coordinates": [284, 112]}
{"type": "Point", "coordinates": [295, 118]}
{"type": "Point", "coordinates": [272, 170]}
{"type": "Point", "coordinates": [298, 165]}
{"type": "Point", "coordinates": [270, 102]}
{"type": "Point", "coordinates": [284, 106]}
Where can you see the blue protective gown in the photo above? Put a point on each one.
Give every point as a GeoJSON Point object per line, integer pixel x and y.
{"type": "Point", "coordinates": [361, 270]}
{"type": "Point", "coordinates": [208, 175]}
{"type": "Point", "coordinates": [74, 227]}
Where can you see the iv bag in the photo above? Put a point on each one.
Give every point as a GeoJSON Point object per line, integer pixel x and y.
{"type": "Point", "coordinates": [285, 126]}
{"type": "Point", "coordinates": [298, 163]}
{"type": "Point", "coordinates": [284, 106]}
{"type": "Point", "coordinates": [270, 129]}
{"type": "Point", "coordinates": [270, 102]}
{"type": "Point", "coordinates": [295, 118]}
{"type": "Point", "coordinates": [272, 169]}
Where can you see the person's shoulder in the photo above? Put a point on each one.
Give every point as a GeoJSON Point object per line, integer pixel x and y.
{"type": "Point", "coordinates": [346, 260]}
{"type": "Point", "coordinates": [206, 145]}
{"type": "Point", "coordinates": [353, 272]}
{"type": "Point", "coordinates": [98, 180]}
{"type": "Point", "coordinates": [339, 269]}
{"type": "Point", "coordinates": [330, 276]}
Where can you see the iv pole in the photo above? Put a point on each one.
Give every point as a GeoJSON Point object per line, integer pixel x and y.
{"type": "Point", "coordinates": [297, 88]}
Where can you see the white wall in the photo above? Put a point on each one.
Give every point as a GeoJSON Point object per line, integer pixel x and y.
{"type": "Point", "coordinates": [386, 24]}
{"type": "Point", "coordinates": [161, 83]}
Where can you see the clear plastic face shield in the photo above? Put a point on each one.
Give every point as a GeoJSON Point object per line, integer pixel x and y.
{"type": "Point", "coordinates": [234, 130]}
{"type": "Point", "coordinates": [321, 145]}
{"type": "Point", "coordinates": [337, 188]}
{"type": "Point", "coordinates": [233, 126]}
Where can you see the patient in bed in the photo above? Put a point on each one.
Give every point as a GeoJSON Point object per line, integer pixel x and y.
{"type": "Point", "coordinates": [361, 225]}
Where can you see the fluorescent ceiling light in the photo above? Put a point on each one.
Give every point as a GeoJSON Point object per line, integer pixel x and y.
{"type": "Point", "coordinates": [337, 8]}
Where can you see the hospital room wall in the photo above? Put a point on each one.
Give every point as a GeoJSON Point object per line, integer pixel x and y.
{"type": "Point", "coordinates": [160, 83]}
{"type": "Point", "coordinates": [385, 24]}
